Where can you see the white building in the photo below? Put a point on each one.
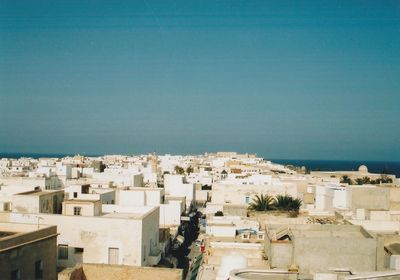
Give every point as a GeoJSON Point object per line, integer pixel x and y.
{"type": "Point", "coordinates": [115, 238]}
{"type": "Point", "coordinates": [175, 186]}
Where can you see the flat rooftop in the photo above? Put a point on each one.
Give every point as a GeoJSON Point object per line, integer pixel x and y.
{"type": "Point", "coordinates": [13, 235]}
{"type": "Point", "coordinates": [138, 213]}
{"type": "Point", "coordinates": [124, 215]}
{"type": "Point", "coordinates": [81, 201]}
{"type": "Point", "coordinates": [168, 197]}
{"type": "Point", "coordinates": [7, 229]}
{"type": "Point", "coordinates": [39, 192]}
{"type": "Point", "coordinates": [328, 231]}
{"type": "Point", "coordinates": [122, 272]}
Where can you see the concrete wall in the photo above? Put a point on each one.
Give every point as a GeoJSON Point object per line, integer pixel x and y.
{"type": "Point", "coordinates": [154, 196]}
{"type": "Point", "coordinates": [324, 198]}
{"type": "Point", "coordinates": [202, 195]}
{"type": "Point", "coordinates": [171, 180]}
{"type": "Point", "coordinates": [174, 186]}
{"type": "Point", "coordinates": [318, 248]}
{"type": "Point", "coordinates": [377, 226]}
{"type": "Point", "coordinates": [25, 204]}
{"type": "Point", "coordinates": [44, 203]}
{"type": "Point", "coordinates": [221, 230]}
{"type": "Point", "coordinates": [137, 181]}
{"type": "Point", "coordinates": [140, 197]}
{"type": "Point", "coordinates": [131, 198]}
{"type": "Point", "coordinates": [236, 193]}
{"type": "Point", "coordinates": [23, 181]}
{"type": "Point", "coordinates": [170, 214]}
{"type": "Point", "coordinates": [280, 255]}
{"type": "Point", "coordinates": [251, 251]}
{"type": "Point", "coordinates": [369, 197]}
{"type": "Point", "coordinates": [320, 254]}
{"type": "Point", "coordinates": [107, 197]}
{"type": "Point", "coordinates": [340, 198]}
{"type": "Point", "coordinates": [150, 231]}
{"type": "Point", "coordinates": [394, 198]}
{"type": "Point", "coordinates": [214, 208]}
{"type": "Point", "coordinates": [6, 192]}
{"type": "Point", "coordinates": [378, 215]}
{"type": "Point", "coordinates": [51, 203]}
{"type": "Point", "coordinates": [87, 208]}
{"type": "Point", "coordinates": [24, 257]}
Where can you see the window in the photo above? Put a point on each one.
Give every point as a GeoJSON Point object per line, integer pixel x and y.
{"type": "Point", "coordinates": [63, 252]}
{"type": "Point", "coordinates": [77, 211]}
{"type": "Point", "coordinates": [39, 270]}
{"type": "Point", "coordinates": [247, 200]}
{"type": "Point", "coordinates": [78, 250]}
{"type": "Point", "coordinates": [75, 194]}
{"type": "Point", "coordinates": [15, 274]}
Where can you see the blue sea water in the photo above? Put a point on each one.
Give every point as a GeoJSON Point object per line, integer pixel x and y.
{"type": "Point", "coordinates": [388, 167]}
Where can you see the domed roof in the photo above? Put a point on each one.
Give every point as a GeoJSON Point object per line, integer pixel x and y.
{"type": "Point", "coordinates": [363, 169]}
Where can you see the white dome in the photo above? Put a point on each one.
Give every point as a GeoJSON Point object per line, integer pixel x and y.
{"type": "Point", "coordinates": [363, 169]}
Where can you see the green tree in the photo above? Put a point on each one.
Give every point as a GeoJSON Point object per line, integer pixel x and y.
{"type": "Point", "coordinates": [346, 180]}
{"type": "Point", "coordinates": [386, 179]}
{"type": "Point", "coordinates": [363, 181]}
{"type": "Point", "coordinates": [189, 170]}
{"type": "Point", "coordinates": [179, 170]}
{"type": "Point", "coordinates": [262, 202]}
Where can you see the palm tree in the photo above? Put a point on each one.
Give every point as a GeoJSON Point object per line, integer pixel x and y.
{"type": "Point", "coordinates": [262, 202]}
{"type": "Point", "coordinates": [295, 205]}
{"type": "Point", "coordinates": [288, 203]}
{"type": "Point", "coordinates": [283, 202]}
{"type": "Point", "coordinates": [346, 179]}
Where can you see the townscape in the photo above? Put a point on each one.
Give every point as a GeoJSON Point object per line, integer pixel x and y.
{"type": "Point", "coordinates": [219, 215]}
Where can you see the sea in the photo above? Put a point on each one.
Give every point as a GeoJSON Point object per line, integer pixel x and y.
{"type": "Point", "coordinates": [387, 167]}
{"type": "Point", "coordinates": [381, 167]}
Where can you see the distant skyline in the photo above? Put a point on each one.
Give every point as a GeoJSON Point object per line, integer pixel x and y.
{"type": "Point", "coordinates": [283, 79]}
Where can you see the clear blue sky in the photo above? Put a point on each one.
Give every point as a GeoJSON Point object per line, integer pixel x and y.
{"type": "Point", "coordinates": [284, 79]}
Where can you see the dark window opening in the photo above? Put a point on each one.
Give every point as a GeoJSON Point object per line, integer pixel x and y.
{"type": "Point", "coordinates": [15, 274]}
{"type": "Point", "coordinates": [63, 252]}
{"type": "Point", "coordinates": [78, 250]}
{"type": "Point", "coordinates": [39, 270]}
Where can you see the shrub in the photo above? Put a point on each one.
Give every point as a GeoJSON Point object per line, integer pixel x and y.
{"type": "Point", "coordinates": [219, 214]}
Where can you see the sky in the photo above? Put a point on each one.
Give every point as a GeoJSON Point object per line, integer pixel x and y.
{"type": "Point", "coordinates": [283, 79]}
